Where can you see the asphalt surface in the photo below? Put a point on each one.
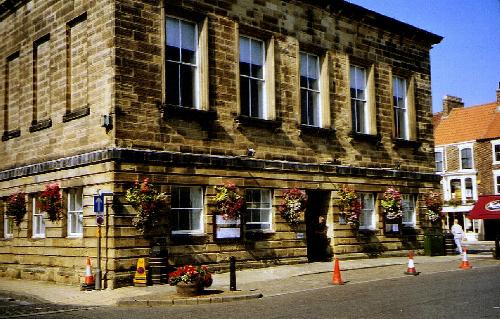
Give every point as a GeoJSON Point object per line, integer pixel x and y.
{"type": "Point", "coordinates": [442, 290]}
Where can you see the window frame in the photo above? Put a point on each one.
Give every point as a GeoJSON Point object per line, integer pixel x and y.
{"type": "Point", "coordinates": [201, 209]}
{"type": "Point", "coordinates": [262, 109]}
{"type": "Point", "coordinates": [179, 62]}
{"type": "Point", "coordinates": [447, 185]}
{"type": "Point", "coordinates": [440, 151]}
{"type": "Point", "coordinates": [37, 216]}
{"type": "Point", "coordinates": [269, 210]}
{"type": "Point", "coordinates": [461, 148]}
{"type": "Point", "coordinates": [71, 213]}
{"type": "Point", "coordinates": [412, 200]}
{"type": "Point", "coordinates": [373, 212]}
{"type": "Point", "coordinates": [495, 159]}
{"type": "Point", "coordinates": [318, 106]}
{"type": "Point", "coordinates": [496, 181]}
{"type": "Point", "coordinates": [400, 131]}
{"type": "Point", "coordinates": [8, 226]}
{"type": "Point", "coordinates": [364, 101]}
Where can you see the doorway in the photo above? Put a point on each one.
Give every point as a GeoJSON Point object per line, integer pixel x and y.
{"type": "Point", "coordinates": [318, 244]}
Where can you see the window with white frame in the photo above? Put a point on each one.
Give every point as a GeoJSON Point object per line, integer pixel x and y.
{"type": "Point", "coordinates": [75, 212]}
{"type": "Point", "coordinates": [409, 214]}
{"type": "Point", "coordinates": [466, 158]}
{"type": "Point", "coordinates": [310, 89]}
{"type": "Point", "coordinates": [400, 104]}
{"type": "Point", "coordinates": [181, 63]}
{"type": "Point", "coordinates": [496, 151]}
{"type": "Point", "coordinates": [187, 210]}
{"type": "Point", "coordinates": [359, 96]}
{"type": "Point", "coordinates": [439, 160]}
{"type": "Point", "coordinates": [462, 188]}
{"type": "Point", "coordinates": [496, 181]}
{"type": "Point", "coordinates": [252, 77]}
{"type": "Point", "coordinates": [259, 209]}
{"type": "Point", "coordinates": [8, 226]}
{"type": "Point", "coordinates": [38, 225]}
{"type": "Point", "coordinates": [367, 218]}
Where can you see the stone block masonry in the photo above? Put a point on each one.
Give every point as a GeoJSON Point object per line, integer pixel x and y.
{"type": "Point", "coordinates": [66, 64]}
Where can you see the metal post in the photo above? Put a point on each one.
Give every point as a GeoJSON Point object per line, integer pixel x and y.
{"type": "Point", "coordinates": [98, 270]}
{"type": "Point", "coordinates": [232, 273]}
{"type": "Point", "coordinates": [497, 245]}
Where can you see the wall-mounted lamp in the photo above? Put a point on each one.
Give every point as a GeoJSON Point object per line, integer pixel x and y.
{"type": "Point", "coordinates": [250, 152]}
{"type": "Point", "coordinates": [107, 121]}
{"type": "Point", "coordinates": [397, 165]}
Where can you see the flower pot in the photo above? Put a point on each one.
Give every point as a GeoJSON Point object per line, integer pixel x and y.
{"type": "Point", "coordinates": [189, 289]}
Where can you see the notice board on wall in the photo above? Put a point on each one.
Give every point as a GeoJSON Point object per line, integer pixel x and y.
{"type": "Point", "coordinates": [227, 228]}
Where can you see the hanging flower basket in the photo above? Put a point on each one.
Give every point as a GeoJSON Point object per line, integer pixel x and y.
{"type": "Point", "coordinates": [50, 201]}
{"type": "Point", "coordinates": [349, 205]}
{"type": "Point", "coordinates": [293, 205]}
{"type": "Point", "coordinates": [392, 204]}
{"type": "Point", "coordinates": [228, 201]}
{"type": "Point", "coordinates": [16, 207]}
{"type": "Point", "coordinates": [434, 203]}
{"type": "Point", "coordinates": [149, 203]}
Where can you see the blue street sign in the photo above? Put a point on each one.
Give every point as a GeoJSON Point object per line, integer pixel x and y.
{"type": "Point", "coordinates": [98, 204]}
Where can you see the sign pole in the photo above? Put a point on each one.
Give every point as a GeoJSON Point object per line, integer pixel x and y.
{"type": "Point", "coordinates": [98, 270]}
{"type": "Point", "coordinates": [100, 208]}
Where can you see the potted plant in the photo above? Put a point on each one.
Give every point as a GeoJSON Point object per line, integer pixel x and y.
{"type": "Point", "coordinates": [293, 205]}
{"type": "Point", "coordinates": [349, 205]}
{"type": "Point", "coordinates": [392, 204]}
{"type": "Point", "coordinates": [228, 201]}
{"type": "Point", "coordinates": [148, 201]}
{"type": "Point", "coordinates": [434, 203]}
{"type": "Point", "coordinates": [16, 207]}
{"type": "Point", "coordinates": [49, 201]}
{"type": "Point", "coordinates": [190, 280]}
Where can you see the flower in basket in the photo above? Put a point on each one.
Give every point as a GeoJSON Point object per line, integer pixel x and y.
{"type": "Point", "coordinates": [349, 205]}
{"type": "Point", "coordinates": [434, 203]}
{"type": "Point", "coordinates": [229, 203]}
{"type": "Point", "coordinates": [191, 274]}
{"type": "Point", "coordinates": [294, 204]}
{"type": "Point", "coordinates": [16, 207]}
{"type": "Point", "coordinates": [391, 202]}
{"type": "Point", "coordinates": [50, 201]}
{"type": "Point", "coordinates": [148, 201]}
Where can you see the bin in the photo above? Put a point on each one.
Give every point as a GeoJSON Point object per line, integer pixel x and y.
{"type": "Point", "coordinates": [434, 245]}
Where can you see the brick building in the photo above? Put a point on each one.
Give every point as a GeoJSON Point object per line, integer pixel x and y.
{"type": "Point", "coordinates": [270, 95]}
{"type": "Point", "coordinates": [468, 159]}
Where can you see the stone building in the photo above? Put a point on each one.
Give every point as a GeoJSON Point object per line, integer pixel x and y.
{"type": "Point", "coordinates": [269, 95]}
{"type": "Point", "coordinates": [468, 160]}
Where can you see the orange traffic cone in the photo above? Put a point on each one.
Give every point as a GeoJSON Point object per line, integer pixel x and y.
{"type": "Point", "coordinates": [465, 263]}
{"type": "Point", "coordinates": [89, 278]}
{"type": "Point", "coordinates": [411, 265]}
{"type": "Point", "coordinates": [337, 279]}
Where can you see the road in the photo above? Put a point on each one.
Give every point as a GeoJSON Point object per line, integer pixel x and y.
{"type": "Point", "coordinates": [440, 291]}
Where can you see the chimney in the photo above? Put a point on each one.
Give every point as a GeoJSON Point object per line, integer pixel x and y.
{"type": "Point", "coordinates": [498, 93]}
{"type": "Point", "coordinates": [453, 102]}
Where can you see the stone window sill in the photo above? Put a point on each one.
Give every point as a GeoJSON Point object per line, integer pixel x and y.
{"type": "Point", "coordinates": [76, 114]}
{"type": "Point", "coordinates": [315, 130]}
{"type": "Point", "coordinates": [366, 137]}
{"type": "Point", "coordinates": [7, 135]}
{"type": "Point", "coordinates": [398, 142]}
{"type": "Point", "coordinates": [40, 125]}
{"type": "Point", "coordinates": [257, 122]}
{"type": "Point", "coordinates": [186, 113]}
{"type": "Point", "coordinates": [189, 239]}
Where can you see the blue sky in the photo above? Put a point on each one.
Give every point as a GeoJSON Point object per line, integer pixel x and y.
{"type": "Point", "coordinates": [467, 62]}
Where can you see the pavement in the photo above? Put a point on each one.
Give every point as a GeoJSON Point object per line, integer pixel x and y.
{"type": "Point", "coordinates": [251, 283]}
